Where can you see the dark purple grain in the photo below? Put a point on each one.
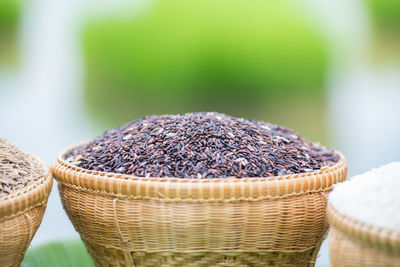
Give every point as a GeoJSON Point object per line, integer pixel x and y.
{"type": "Point", "coordinates": [201, 145]}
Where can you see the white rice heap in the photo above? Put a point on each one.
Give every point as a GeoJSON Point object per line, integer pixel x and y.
{"type": "Point", "coordinates": [372, 197]}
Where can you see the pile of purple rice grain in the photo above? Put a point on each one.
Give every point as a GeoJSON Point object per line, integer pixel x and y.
{"type": "Point", "coordinates": [17, 169]}
{"type": "Point", "coordinates": [201, 145]}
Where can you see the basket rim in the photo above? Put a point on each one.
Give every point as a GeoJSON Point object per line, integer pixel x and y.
{"type": "Point", "coordinates": [28, 197]}
{"type": "Point", "coordinates": [367, 234]}
{"type": "Point", "coordinates": [188, 189]}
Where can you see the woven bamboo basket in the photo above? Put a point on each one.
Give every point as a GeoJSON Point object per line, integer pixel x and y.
{"type": "Point", "coordinates": [20, 216]}
{"type": "Point", "coordinates": [354, 243]}
{"type": "Point", "coordinates": [132, 221]}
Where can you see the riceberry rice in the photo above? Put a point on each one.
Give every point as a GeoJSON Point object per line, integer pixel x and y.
{"type": "Point", "coordinates": [17, 169]}
{"type": "Point", "coordinates": [201, 145]}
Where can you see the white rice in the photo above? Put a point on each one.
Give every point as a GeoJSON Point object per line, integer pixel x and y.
{"type": "Point", "coordinates": [372, 197]}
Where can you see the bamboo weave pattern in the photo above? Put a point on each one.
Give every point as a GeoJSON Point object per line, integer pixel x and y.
{"type": "Point", "coordinates": [133, 221]}
{"type": "Point", "coordinates": [20, 216]}
{"type": "Point", "coordinates": [354, 243]}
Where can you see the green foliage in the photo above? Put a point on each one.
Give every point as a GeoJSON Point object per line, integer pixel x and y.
{"type": "Point", "coordinates": [222, 55]}
{"type": "Point", "coordinates": [68, 253]}
{"type": "Point", "coordinates": [9, 14]}
{"type": "Point", "coordinates": [385, 13]}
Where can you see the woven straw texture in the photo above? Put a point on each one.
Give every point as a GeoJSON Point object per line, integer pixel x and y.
{"type": "Point", "coordinates": [133, 221]}
{"type": "Point", "coordinates": [20, 216]}
{"type": "Point", "coordinates": [354, 243]}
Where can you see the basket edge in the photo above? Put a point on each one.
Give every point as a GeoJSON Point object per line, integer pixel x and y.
{"type": "Point", "coordinates": [181, 189]}
{"type": "Point", "coordinates": [367, 234]}
{"type": "Point", "coordinates": [36, 194]}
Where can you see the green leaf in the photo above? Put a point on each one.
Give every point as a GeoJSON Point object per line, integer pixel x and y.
{"type": "Point", "coordinates": [68, 253]}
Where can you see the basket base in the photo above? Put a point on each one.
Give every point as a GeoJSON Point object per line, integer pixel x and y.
{"type": "Point", "coordinates": [16, 234]}
{"type": "Point", "coordinates": [105, 257]}
{"type": "Point", "coordinates": [346, 252]}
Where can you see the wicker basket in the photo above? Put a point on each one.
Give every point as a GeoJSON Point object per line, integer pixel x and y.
{"type": "Point", "coordinates": [354, 243]}
{"type": "Point", "coordinates": [20, 216]}
{"type": "Point", "coordinates": [133, 221]}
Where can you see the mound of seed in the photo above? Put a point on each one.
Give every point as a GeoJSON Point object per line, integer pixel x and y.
{"type": "Point", "coordinates": [201, 145]}
{"type": "Point", "coordinates": [17, 169]}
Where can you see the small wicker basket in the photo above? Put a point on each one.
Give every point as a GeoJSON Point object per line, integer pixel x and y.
{"type": "Point", "coordinates": [354, 243]}
{"type": "Point", "coordinates": [20, 216]}
{"type": "Point", "coordinates": [132, 221]}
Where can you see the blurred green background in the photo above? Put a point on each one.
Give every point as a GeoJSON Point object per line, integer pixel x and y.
{"type": "Point", "coordinates": [65, 253]}
{"type": "Point", "coordinates": [385, 18]}
{"type": "Point", "coordinates": [10, 15]}
{"type": "Point", "coordinates": [264, 60]}
{"type": "Point", "coordinates": [385, 13]}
